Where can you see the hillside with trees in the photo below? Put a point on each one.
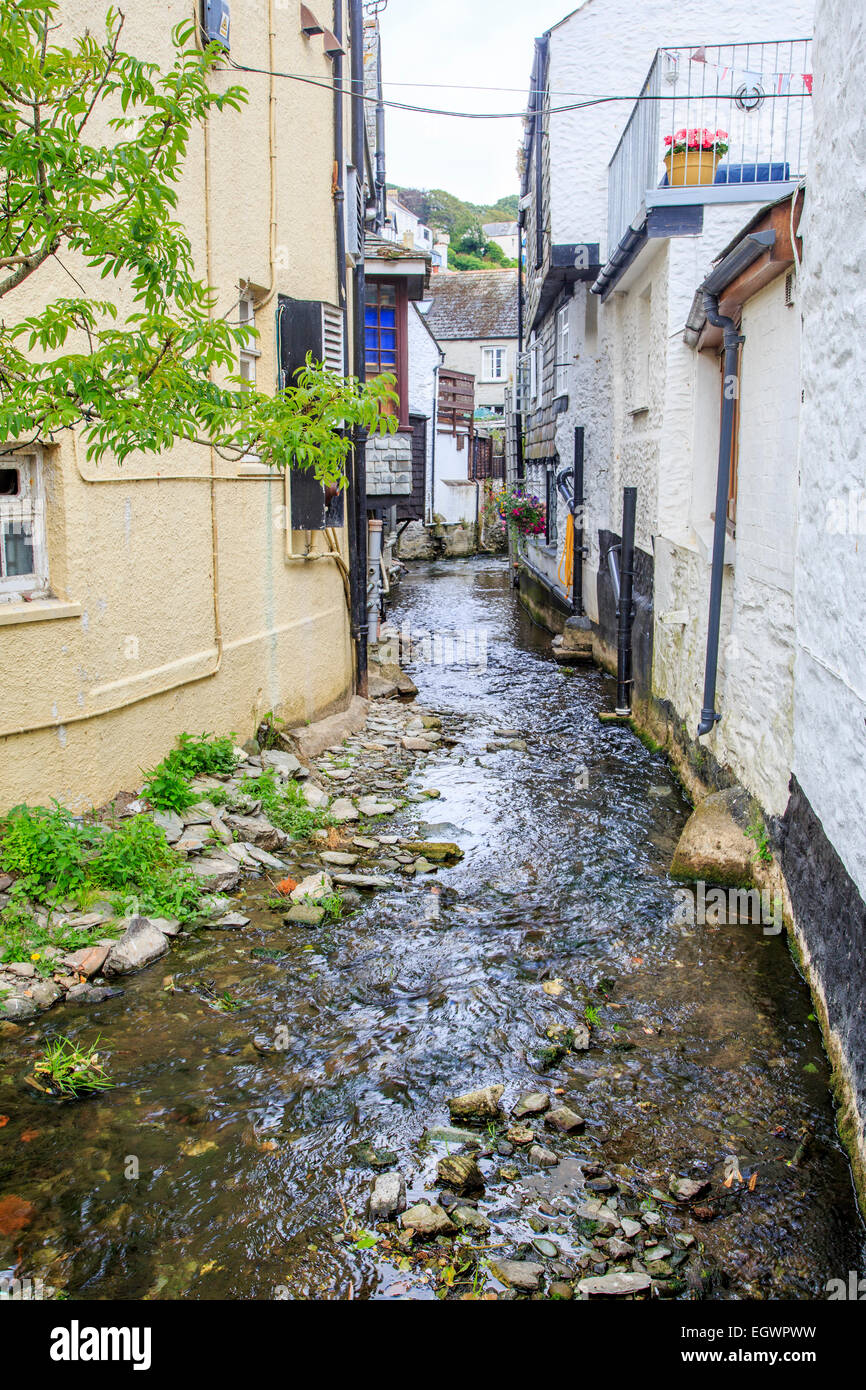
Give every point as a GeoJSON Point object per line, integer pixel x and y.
{"type": "Point", "coordinates": [469, 249]}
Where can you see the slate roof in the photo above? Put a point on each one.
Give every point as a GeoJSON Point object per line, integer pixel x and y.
{"type": "Point", "coordinates": [473, 304]}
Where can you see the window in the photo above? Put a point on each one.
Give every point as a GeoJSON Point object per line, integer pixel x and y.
{"type": "Point", "coordinates": [563, 360]}
{"type": "Point", "coordinates": [493, 363]}
{"type": "Point", "coordinates": [385, 335]}
{"type": "Point", "coordinates": [23, 566]}
{"type": "Point", "coordinates": [535, 363]}
{"type": "Point", "coordinates": [249, 352]}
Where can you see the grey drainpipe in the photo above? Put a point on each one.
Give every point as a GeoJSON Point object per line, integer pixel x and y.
{"type": "Point", "coordinates": [744, 254]}
{"type": "Point", "coordinates": [356, 28]}
{"type": "Point", "coordinates": [733, 339]}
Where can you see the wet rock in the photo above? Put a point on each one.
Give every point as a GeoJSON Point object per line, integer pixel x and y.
{"type": "Point", "coordinates": [417, 744]}
{"type": "Point", "coordinates": [685, 1239]}
{"type": "Point", "coordinates": [514, 745]}
{"type": "Point", "coordinates": [312, 888]}
{"type": "Point", "coordinates": [618, 1284]}
{"type": "Point", "coordinates": [564, 1120]}
{"type": "Point", "coordinates": [438, 851]}
{"type": "Point", "coordinates": [140, 944]}
{"type": "Point", "coordinates": [230, 921]}
{"type": "Point", "coordinates": [363, 842]}
{"type": "Point", "coordinates": [343, 810]}
{"type": "Point", "coordinates": [545, 1248]}
{"type": "Point", "coordinates": [687, 1189]}
{"type": "Point", "coordinates": [91, 994]}
{"type": "Point", "coordinates": [520, 1135]}
{"type": "Point", "coordinates": [461, 1172]}
{"type": "Point", "coordinates": [532, 1103]}
{"type": "Point", "coordinates": [477, 1105]}
{"type": "Point", "coordinates": [363, 880]}
{"type": "Point", "coordinates": [630, 1228]}
{"type": "Point", "coordinates": [542, 1157]}
{"type": "Point", "coordinates": [334, 856]}
{"type": "Point", "coordinates": [449, 1134]}
{"type": "Point", "coordinates": [560, 1290]}
{"type": "Point", "coordinates": [427, 1220]}
{"type": "Point", "coordinates": [467, 1218]}
{"type": "Point", "coordinates": [307, 914]}
{"type": "Point", "coordinates": [619, 1249]}
{"type": "Point", "coordinates": [388, 1196]}
{"type": "Point", "coordinates": [657, 1252]}
{"type": "Point", "coordinates": [19, 1007]}
{"type": "Point", "coordinates": [518, 1274]}
{"type": "Point", "coordinates": [713, 846]}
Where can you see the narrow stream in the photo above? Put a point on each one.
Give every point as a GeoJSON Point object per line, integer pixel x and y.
{"type": "Point", "coordinates": [222, 1168]}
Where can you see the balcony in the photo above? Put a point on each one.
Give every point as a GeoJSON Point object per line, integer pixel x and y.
{"type": "Point", "coordinates": [755, 95]}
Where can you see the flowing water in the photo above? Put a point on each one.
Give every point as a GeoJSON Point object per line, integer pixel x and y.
{"type": "Point", "coordinates": [214, 1171]}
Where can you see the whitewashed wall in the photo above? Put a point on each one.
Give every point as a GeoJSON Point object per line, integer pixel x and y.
{"type": "Point", "coordinates": [608, 45]}
{"type": "Point", "coordinates": [830, 671]}
{"type": "Point", "coordinates": [755, 679]}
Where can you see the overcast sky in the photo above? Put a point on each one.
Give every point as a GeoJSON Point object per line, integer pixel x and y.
{"type": "Point", "coordinates": [487, 42]}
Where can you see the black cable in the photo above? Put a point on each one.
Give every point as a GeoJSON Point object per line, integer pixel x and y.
{"type": "Point", "coordinates": [502, 115]}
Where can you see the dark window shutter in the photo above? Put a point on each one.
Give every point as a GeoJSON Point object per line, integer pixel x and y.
{"type": "Point", "coordinates": [299, 325]}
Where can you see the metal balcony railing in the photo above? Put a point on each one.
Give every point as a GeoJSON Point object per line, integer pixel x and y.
{"type": "Point", "coordinates": [758, 94]}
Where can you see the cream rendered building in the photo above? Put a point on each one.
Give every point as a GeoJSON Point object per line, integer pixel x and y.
{"type": "Point", "coordinates": [171, 593]}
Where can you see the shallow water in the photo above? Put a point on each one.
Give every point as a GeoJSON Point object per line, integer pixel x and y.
{"type": "Point", "coordinates": [213, 1171]}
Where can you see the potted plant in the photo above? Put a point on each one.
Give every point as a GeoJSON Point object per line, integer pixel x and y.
{"type": "Point", "coordinates": [522, 510]}
{"type": "Point", "coordinates": [692, 155]}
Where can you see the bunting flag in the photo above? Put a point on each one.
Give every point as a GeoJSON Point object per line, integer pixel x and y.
{"type": "Point", "coordinates": [777, 82]}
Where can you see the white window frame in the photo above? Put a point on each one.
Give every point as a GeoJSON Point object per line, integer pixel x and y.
{"type": "Point", "coordinates": [563, 360]}
{"type": "Point", "coordinates": [248, 356]}
{"type": "Point", "coordinates": [493, 358]}
{"type": "Point", "coordinates": [535, 372]}
{"type": "Point", "coordinates": [24, 510]}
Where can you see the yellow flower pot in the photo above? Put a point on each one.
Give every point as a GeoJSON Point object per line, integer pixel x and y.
{"type": "Point", "coordinates": [691, 167]}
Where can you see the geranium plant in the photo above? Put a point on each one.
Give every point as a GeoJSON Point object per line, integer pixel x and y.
{"type": "Point", "coordinates": [523, 510]}
{"type": "Point", "coordinates": [697, 139]}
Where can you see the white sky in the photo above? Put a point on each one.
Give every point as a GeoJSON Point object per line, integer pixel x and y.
{"type": "Point", "coordinates": [486, 42]}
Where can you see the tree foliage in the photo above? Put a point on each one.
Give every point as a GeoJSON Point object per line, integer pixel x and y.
{"type": "Point", "coordinates": [92, 149]}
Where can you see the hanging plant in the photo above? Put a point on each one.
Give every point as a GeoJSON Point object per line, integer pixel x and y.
{"type": "Point", "coordinates": [522, 510]}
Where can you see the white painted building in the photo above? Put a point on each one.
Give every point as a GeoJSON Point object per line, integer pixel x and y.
{"type": "Point", "coordinates": [613, 263]}
{"type": "Point", "coordinates": [825, 845]}
{"type": "Point", "coordinates": [506, 235]}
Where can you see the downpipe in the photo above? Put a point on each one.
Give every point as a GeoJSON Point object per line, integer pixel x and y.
{"type": "Point", "coordinates": [356, 21]}
{"type": "Point", "coordinates": [625, 610]}
{"type": "Point", "coordinates": [732, 341]}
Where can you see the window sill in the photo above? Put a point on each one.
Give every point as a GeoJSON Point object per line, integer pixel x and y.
{"type": "Point", "coordinates": [39, 610]}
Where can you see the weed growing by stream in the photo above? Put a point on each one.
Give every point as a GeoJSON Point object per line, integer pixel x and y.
{"type": "Point", "coordinates": [285, 806]}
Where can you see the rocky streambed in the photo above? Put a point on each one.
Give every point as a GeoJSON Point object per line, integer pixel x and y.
{"type": "Point", "coordinates": [511, 1074]}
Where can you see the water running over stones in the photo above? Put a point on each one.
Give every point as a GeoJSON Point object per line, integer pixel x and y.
{"type": "Point", "coordinates": [309, 1124]}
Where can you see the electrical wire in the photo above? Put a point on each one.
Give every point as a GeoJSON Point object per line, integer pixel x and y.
{"type": "Point", "coordinates": [488, 115]}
